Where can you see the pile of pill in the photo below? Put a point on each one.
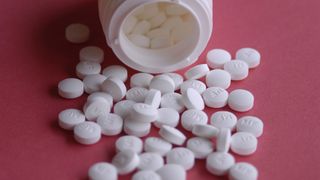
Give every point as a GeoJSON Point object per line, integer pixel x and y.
{"type": "Point", "coordinates": [164, 101]}
{"type": "Point", "coordinates": [158, 25]}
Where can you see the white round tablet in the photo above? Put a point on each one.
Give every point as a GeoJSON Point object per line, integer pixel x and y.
{"type": "Point", "coordinates": [215, 97]}
{"type": "Point", "coordinates": [115, 87]}
{"type": "Point", "coordinates": [191, 117]}
{"type": "Point", "coordinates": [157, 145]}
{"type": "Point", "coordinates": [243, 171]}
{"type": "Point", "coordinates": [172, 135]}
{"type": "Point", "coordinates": [195, 84]}
{"type": "Point", "coordinates": [129, 142]}
{"type": "Point", "coordinates": [146, 175]}
{"type": "Point", "coordinates": [102, 171]}
{"type": "Point", "coordinates": [99, 107]}
{"type": "Point", "coordinates": [141, 80]}
{"type": "Point", "coordinates": [224, 119]}
{"type": "Point", "coordinates": [223, 140]}
{"type": "Point", "coordinates": [97, 95]}
{"type": "Point", "coordinates": [87, 133]}
{"type": "Point", "coordinates": [244, 143]}
{"type": "Point", "coordinates": [69, 118]}
{"type": "Point", "coordinates": [197, 72]}
{"type": "Point", "coordinates": [172, 172]}
{"type": "Point", "coordinates": [201, 147]}
{"type": "Point", "coordinates": [123, 108]}
{"type": "Point", "coordinates": [111, 124]}
{"type": "Point", "coordinates": [238, 69]}
{"type": "Point", "coordinates": [241, 100]}
{"type": "Point", "coordinates": [144, 113]}
{"type": "Point", "coordinates": [70, 88]}
{"type": "Point", "coordinates": [167, 116]}
{"type": "Point", "coordinates": [181, 156]}
{"type": "Point", "coordinates": [172, 100]}
{"type": "Point", "coordinates": [216, 58]}
{"type": "Point", "coordinates": [192, 99]}
{"type": "Point", "coordinates": [77, 33]}
{"type": "Point", "coordinates": [137, 94]}
{"type": "Point", "coordinates": [163, 83]}
{"type": "Point", "coordinates": [93, 82]}
{"type": "Point", "coordinates": [250, 56]}
{"type": "Point", "coordinates": [218, 78]}
{"type": "Point", "coordinates": [91, 54]}
{"type": "Point", "coordinates": [85, 68]}
{"type": "Point", "coordinates": [205, 130]}
{"type": "Point", "coordinates": [136, 128]}
{"type": "Point", "coordinates": [177, 78]}
{"type": "Point", "coordinates": [250, 124]}
{"type": "Point", "coordinates": [219, 163]}
{"type": "Point", "coordinates": [126, 161]}
{"type": "Point", "coordinates": [116, 71]}
{"type": "Point", "coordinates": [153, 98]}
{"type": "Point", "coordinates": [150, 161]}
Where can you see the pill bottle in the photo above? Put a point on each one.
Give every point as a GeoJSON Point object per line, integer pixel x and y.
{"type": "Point", "coordinates": [188, 23]}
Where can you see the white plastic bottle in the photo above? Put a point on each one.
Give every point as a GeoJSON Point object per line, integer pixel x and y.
{"type": "Point", "coordinates": [161, 55]}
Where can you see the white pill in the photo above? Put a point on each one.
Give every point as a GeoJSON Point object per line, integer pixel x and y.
{"type": "Point", "coordinates": [172, 135]}
{"type": "Point", "coordinates": [181, 156]}
{"type": "Point", "coordinates": [176, 10]}
{"type": "Point", "coordinates": [241, 100]}
{"type": "Point", "coordinates": [102, 171]}
{"type": "Point", "coordinates": [163, 83]}
{"type": "Point", "coordinates": [218, 78]}
{"type": "Point", "coordinates": [77, 33]}
{"type": "Point", "coordinates": [99, 107]}
{"type": "Point", "coordinates": [150, 161]}
{"type": "Point", "coordinates": [140, 40]}
{"type": "Point", "coordinates": [172, 172]}
{"type": "Point", "coordinates": [157, 145]}
{"type": "Point", "coordinates": [223, 140]}
{"type": "Point", "coordinates": [136, 128]}
{"type": "Point", "coordinates": [141, 28]}
{"type": "Point", "coordinates": [244, 143]}
{"type": "Point", "coordinates": [250, 56]}
{"type": "Point", "coordinates": [239, 70]}
{"type": "Point", "coordinates": [85, 68]}
{"type": "Point", "coordinates": [224, 119]}
{"type": "Point", "coordinates": [150, 11]}
{"type": "Point", "coordinates": [173, 101]}
{"type": "Point", "coordinates": [70, 88]}
{"type": "Point", "coordinates": [146, 175]}
{"type": "Point", "coordinates": [69, 118]}
{"type": "Point", "coordinates": [129, 142]}
{"type": "Point", "coordinates": [159, 32]}
{"type": "Point", "coordinates": [92, 83]}
{"type": "Point", "coordinates": [250, 124]}
{"type": "Point", "coordinates": [144, 113]}
{"type": "Point", "coordinates": [243, 171]}
{"type": "Point", "coordinates": [215, 97]}
{"type": "Point", "coordinates": [172, 22]}
{"type": "Point", "coordinates": [181, 32]}
{"type": "Point", "coordinates": [123, 108]}
{"type": "Point", "coordinates": [91, 54]}
{"type": "Point", "coordinates": [197, 72]}
{"type": "Point", "coordinates": [205, 131]}
{"type": "Point", "coordinates": [157, 20]}
{"type": "Point", "coordinates": [153, 98]}
{"type": "Point", "coordinates": [177, 78]}
{"type": "Point", "coordinates": [87, 133]}
{"type": "Point", "coordinates": [115, 87]}
{"type": "Point", "coordinates": [201, 147]}
{"type": "Point", "coordinates": [129, 24]}
{"type": "Point", "coordinates": [195, 84]}
{"type": "Point", "coordinates": [167, 116]}
{"type": "Point", "coordinates": [126, 161]}
{"type": "Point", "coordinates": [137, 94]}
{"type": "Point", "coordinates": [141, 80]}
{"type": "Point", "coordinates": [160, 42]}
{"type": "Point", "coordinates": [192, 99]}
{"type": "Point", "coordinates": [97, 95]}
{"type": "Point", "coordinates": [116, 71]}
{"type": "Point", "coordinates": [219, 163]}
{"type": "Point", "coordinates": [111, 124]}
{"type": "Point", "coordinates": [192, 117]}
{"type": "Point", "coordinates": [216, 58]}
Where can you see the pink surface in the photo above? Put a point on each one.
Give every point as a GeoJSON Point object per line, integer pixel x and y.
{"type": "Point", "coordinates": [35, 57]}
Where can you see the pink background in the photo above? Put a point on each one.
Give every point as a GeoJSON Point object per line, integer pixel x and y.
{"type": "Point", "coordinates": [35, 57]}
